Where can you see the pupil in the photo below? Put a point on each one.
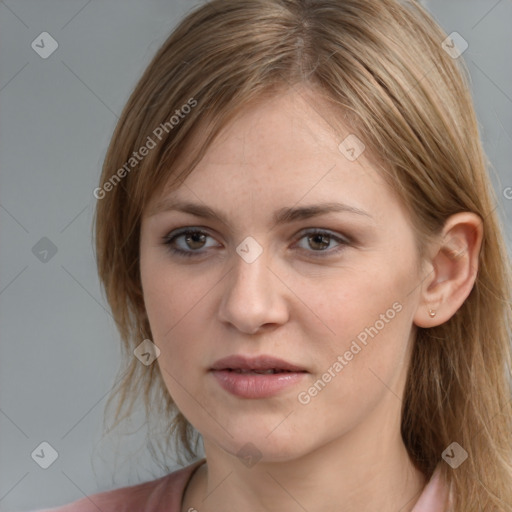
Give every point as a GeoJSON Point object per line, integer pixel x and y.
{"type": "Point", "coordinates": [192, 238]}
{"type": "Point", "coordinates": [321, 237]}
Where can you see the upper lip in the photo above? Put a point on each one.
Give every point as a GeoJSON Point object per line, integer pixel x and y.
{"type": "Point", "coordinates": [262, 362]}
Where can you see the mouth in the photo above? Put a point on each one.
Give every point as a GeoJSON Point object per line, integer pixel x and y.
{"type": "Point", "coordinates": [257, 372]}
{"type": "Point", "coordinates": [259, 365]}
{"type": "Point", "coordinates": [256, 377]}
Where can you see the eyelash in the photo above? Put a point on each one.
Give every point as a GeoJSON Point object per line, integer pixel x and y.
{"type": "Point", "coordinates": [169, 239]}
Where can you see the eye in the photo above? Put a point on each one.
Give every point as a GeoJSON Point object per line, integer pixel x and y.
{"type": "Point", "coordinates": [319, 240]}
{"type": "Point", "coordinates": [191, 241]}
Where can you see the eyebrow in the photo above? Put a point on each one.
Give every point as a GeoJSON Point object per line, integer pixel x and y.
{"type": "Point", "coordinates": [282, 216]}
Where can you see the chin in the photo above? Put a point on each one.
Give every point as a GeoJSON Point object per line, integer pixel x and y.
{"type": "Point", "coordinates": [254, 446]}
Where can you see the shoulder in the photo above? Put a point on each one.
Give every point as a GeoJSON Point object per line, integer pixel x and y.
{"type": "Point", "coordinates": [164, 493]}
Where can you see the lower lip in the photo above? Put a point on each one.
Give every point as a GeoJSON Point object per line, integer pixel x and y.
{"type": "Point", "coordinates": [256, 385]}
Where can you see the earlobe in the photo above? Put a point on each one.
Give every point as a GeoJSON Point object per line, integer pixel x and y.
{"type": "Point", "coordinates": [455, 267]}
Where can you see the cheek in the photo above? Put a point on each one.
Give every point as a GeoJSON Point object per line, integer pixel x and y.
{"type": "Point", "coordinates": [365, 319]}
{"type": "Point", "coordinates": [175, 302]}
{"type": "Point", "coordinates": [357, 301]}
{"type": "Point", "coordinates": [172, 294]}
{"type": "Point", "coordinates": [363, 366]}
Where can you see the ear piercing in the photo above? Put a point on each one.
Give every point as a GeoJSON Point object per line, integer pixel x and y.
{"type": "Point", "coordinates": [432, 313]}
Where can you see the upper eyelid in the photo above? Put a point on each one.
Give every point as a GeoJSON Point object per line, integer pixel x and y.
{"type": "Point", "coordinates": [183, 231]}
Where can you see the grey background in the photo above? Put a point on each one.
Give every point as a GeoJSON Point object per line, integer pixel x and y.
{"type": "Point", "coordinates": [59, 349]}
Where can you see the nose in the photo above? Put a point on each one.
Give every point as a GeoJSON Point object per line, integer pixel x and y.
{"type": "Point", "coordinates": [254, 297]}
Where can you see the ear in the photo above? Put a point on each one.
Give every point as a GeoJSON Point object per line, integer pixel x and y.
{"type": "Point", "coordinates": [451, 269]}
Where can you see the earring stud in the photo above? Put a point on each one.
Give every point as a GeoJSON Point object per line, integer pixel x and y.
{"type": "Point", "coordinates": [432, 313]}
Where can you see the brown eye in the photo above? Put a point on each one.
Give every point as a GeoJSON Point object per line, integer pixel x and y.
{"type": "Point", "coordinates": [318, 241]}
{"type": "Point", "coordinates": [195, 239]}
{"type": "Point", "coordinates": [187, 242]}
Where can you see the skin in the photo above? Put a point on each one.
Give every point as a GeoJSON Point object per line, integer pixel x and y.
{"type": "Point", "coordinates": [342, 451]}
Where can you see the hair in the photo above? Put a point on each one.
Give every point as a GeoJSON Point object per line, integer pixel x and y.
{"type": "Point", "coordinates": [382, 66]}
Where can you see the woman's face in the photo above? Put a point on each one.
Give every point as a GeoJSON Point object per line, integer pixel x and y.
{"type": "Point", "coordinates": [331, 295]}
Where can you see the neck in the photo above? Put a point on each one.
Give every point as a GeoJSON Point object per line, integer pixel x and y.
{"type": "Point", "coordinates": [358, 472]}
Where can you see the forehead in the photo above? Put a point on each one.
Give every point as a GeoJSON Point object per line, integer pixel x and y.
{"type": "Point", "coordinates": [281, 131]}
{"type": "Point", "coordinates": [277, 153]}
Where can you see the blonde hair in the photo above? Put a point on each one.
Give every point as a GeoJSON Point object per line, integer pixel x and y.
{"type": "Point", "coordinates": [382, 65]}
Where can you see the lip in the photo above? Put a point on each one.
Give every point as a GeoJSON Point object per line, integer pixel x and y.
{"type": "Point", "coordinates": [262, 362]}
{"type": "Point", "coordinates": [227, 372]}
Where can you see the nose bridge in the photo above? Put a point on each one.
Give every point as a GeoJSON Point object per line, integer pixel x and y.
{"type": "Point", "coordinates": [249, 281]}
{"type": "Point", "coordinates": [251, 293]}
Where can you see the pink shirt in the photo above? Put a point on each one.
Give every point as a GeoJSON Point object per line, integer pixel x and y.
{"type": "Point", "coordinates": [165, 494]}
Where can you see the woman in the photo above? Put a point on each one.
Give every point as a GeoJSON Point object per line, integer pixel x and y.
{"type": "Point", "coordinates": [297, 236]}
